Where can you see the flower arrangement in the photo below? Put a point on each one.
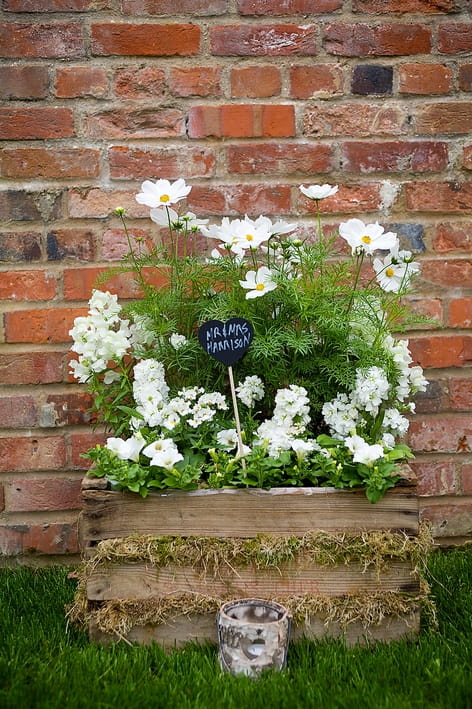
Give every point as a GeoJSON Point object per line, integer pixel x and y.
{"type": "Point", "coordinates": [322, 393]}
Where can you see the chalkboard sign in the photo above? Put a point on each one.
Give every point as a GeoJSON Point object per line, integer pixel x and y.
{"type": "Point", "coordinates": [226, 341]}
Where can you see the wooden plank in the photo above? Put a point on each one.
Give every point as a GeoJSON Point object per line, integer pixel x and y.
{"type": "Point", "coordinates": [138, 581]}
{"type": "Point", "coordinates": [244, 512]}
{"type": "Point", "coordinates": [202, 629]}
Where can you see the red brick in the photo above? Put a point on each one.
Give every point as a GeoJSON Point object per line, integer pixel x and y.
{"type": "Point", "coordinates": [49, 162]}
{"type": "Point", "coordinates": [21, 205]}
{"type": "Point", "coordinates": [455, 37]}
{"type": "Point", "coordinates": [46, 538]}
{"type": "Point", "coordinates": [48, 325]}
{"type": "Point", "coordinates": [460, 312]}
{"type": "Point", "coordinates": [115, 243]}
{"type": "Point", "coordinates": [441, 433]}
{"type": "Point", "coordinates": [465, 77]}
{"type": "Point", "coordinates": [146, 40]}
{"type": "Point", "coordinates": [279, 158]}
{"type": "Point", "coordinates": [395, 156]}
{"type": "Point", "coordinates": [241, 121]}
{"type": "Point", "coordinates": [172, 162]}
{"type": "Point", "coordinates": [55, 5]}
{"type": "Point", "coordinates": [2, 498]}
{"type": "Point", "coordinates": [42, 494]}
{"type": "Point", "coordinates": [95, 203]}
{"type": "Point", "coordinates": [453, 272]}
{"type": "Point", "coordinates": [174, 7]}
{"type": "Point", "coordinates": [467, 157]}
{"type": "Point", "coordinates": [143, 82]}
{"type": "Point", "coordinates": [439, 196]}
{"type": "Point", "coordinates": [443, 351]}
{"type": "Point", "coordinates": [18, 411]}
{"type": "Point", "coordinates": [447, 117]}
{"type": "Point", "coordinates": [79, 282]}
{"type": "Point", "coordinates": [31, 368]}
{"type": "Point", "coordinates": [79, 81]}
{"type": "Point", "coordinates": [255, 81]}
{"type": "Point", "coordinates": [263, 40]}
{"type": "Point", "coordinates": [28, 285]}
{"type": "Point", "coordinates": [454, 520]}
{"type": "Point", "coordinates": [195, 81]}
{"type": "Point", "coordinates": [24, 246]}
{"type": "Point", "coordinates": [56, 40]}
{"type": "Point", "coordinates": [467, 479]}
{"type": "Point", "coordinates": [70, 244]}
{"type": "Point", "coordinates": [434, 399]}
{"type": "Point", "coordinates": [29, 453]}
{"type": "Point", "coordinates": [460, 392]}
{"type": "Point", "coordinates": [82, 442]}
{"type": "Point", "coordinates": [241, 199]}
{"type": "Point", "coordinates": [348, 200]}
{"type": "Point", "coordinates": [23, 82]}
{"type": "Point", "coordinates": [428, 308]}
{"type": "Point", "coordinates": [424, 79]}
{"type": "Point", "coordinates": [35, 123]}
{"type": "Point", "coordinates": [354, 119]}
{"type": "Point", "coordinates": [287, 7]}
{"type": "Point", "coordinates": [360, 40]}
{"type": "Point", "coordinates": [146, 122]}
{"type": "Point", "coordinates": [67, 410]}
{"type": "Point", "coordinates": [452, 236]}
{"type": "Point", "coordinates": [318, 81]}
{"type": "Point", "coordinates": [423, 6]}
{"type": "Point", "coordinates": [436, 478]}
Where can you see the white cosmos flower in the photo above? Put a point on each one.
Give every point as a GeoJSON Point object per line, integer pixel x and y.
{"type": "Point", "coordinates": [367, 237]}
{"type": "Point", "coordinates": [395, 271]}
{"type": "Point", "coordinates": [162, 192]}
{"type": "Point", "coordinates": [126, 450]}
{"type": "Point", "coordinates": [318, 191]}
{"type": "Point", "coordinates": [362, 452]}
{"type": "Point", "coordinates": [163, 215]}
{"type": "Point", "coordinates": [258, 282]}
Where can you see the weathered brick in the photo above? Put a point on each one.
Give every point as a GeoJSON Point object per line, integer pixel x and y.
{"type": "Point", "coordinates": [55, 40]}
{"type": "Point", "coordinates": [115, 243]}
{"type": "Point", "coordinates": [255, 81]}
{"type": "Point", "coordinates": [67, 410]}
{"type": "Point", "coordinates": [169, 162]}
{"type": "Point", "coordinates": [467, 157]}
{"type": "Point", "coordinates": [436, 478]}
{"type": "Point", "coordinates": [28, 285]}
{"type": "Point", "coordinates": [279, 158]}
{"type": "Point", "coordinates": [77, 244]}
{"type": "Point", "coordinates": [20, 246]}
{"type": "Point", "coordinates": [30, 453]}
{"type": "Point", "coordinates": [79, 282]}
{"type": "Point", "coordinates": [42, 494]}
{"type": "Point", "coordinates": [398, 156]}
{"type": "Point", "coordinates": [175, 7]}
{"type": "Point", "coordinates": [466, 479]}
{"type": "Point", "coordinates": [348, 200]}
{"type": "Point", "coordinates": [460, 392]}
{"type": "Point", "coordinates": [145, 39]}
{"type": "Point", "coordinates": [354, 119]}
{"type": "Point", "coordinates": [439, 196]}
{"type": "Point", "coordinates": [18, 411]}
{"type": "Point", "coordinates": [452, 236]}
{"type": "Point", "coordinates": [441, 434]}
{"type": "Point", "coordinates": [146, 122]}
{"type": "Point", "coordinates": [241, 121]}
{"type": "Point", "coordinates": [55, 5]}
{"type": "Point", "coordinates": [35, 123]}
{"type": "Point", "coordinates": [44, 325]}
{"type": "Point", "coordinates": [20, 205]}
{"type": "Point", "coordinates": [406, 6]}
{"type": "Point", "coordinates": [80, 81]}
{"type": "Point", "coordinates": [455, 37]}
{"type": "Point", "coordinates": [372, 79]}
{"type": "Point", "coordinates": [2, 498]}
{"type": "Point", "coordinates": [448, 118]}
{"type": "Point", "coordinates": [26, 82]}
{"type": "Point", "coordinates": [46, 538]}
{"type": "Point", "coordinates": [429, 308]}
{"type": "Point", "coordinates": [31, 368]}
{"type": "Point", "coordinates": [361, 40]}
{"type": "Point", "coordinates": [263, 40]}
{"type": "Point", "coordinates": [318, 81]}
{"type": "Point", "coordinates": [432, 400]}
{"type": "Point", "coordinates": [424, 79]}
{"type": "Point", "coordinates": [465, 77]}
{"type": "Point", "coordinates": [454, 520]}
{"type": "Point", "coordinates": [460, 312]}
{"type": "Point", "coordinates": [444, 351]}
{"type": "Point", "coordinates": [139, 83]}
{"type": "Point", "coordinates": [240, 199]}
{"type": "Point", "coordinates": [96, 203]}
{"type": "Point", "coordinates": [50, 162]}
{"type": "Point", "coordinates": [195, 81]}
{"type": "Point", "coordinates": [288, 7]}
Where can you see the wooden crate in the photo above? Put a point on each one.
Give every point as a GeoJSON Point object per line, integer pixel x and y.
{"type": "Point", "coordinates": [245, 514]}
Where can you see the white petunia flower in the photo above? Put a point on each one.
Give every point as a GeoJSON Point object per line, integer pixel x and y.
{"type": "Point", "coordinates": [362, 452]}
{"type": "Point", "coordinates": [318, 191]}
{"type": "Point", "coordinates": [163, 453]}
{"type": "Point", "coordinates": [228, 438]}
{"type": "Point", "coordinates": [366, 237]}
{"type": "Point", "coordinates": [128, 449]}
{"type": "Point", "coordinates": [258, 282]}
{"type": "Point", "coordinates": [162, 192]}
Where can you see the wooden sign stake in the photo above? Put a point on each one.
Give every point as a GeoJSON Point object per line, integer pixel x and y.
{"type": "Point", "coordinates": [236, 417]}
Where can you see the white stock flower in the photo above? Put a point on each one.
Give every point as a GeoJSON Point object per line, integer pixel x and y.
{"type": "Point", "coordinates": [366, 237]}
{"type": "Point", "coordinates": [177, 341]}
{"type": "Point", "coordinates": [318, 191]}
{"type": "Point", "coordinates": [162, 192]}
{"type": "Point", "coordinates": [370, 389]}
{"type": "Point", "coordinates": [362, 452]}
{"type": "Point", "coordinates": [394, 422]}
{"type": "Point", "coordinates": [250, 390]}
{"type": "Point", "coordinates": [128, 449]}
{"type": "Point", "coordinates": [258, 282]}
{"type": "Point", "coordinates": [417, 379]}
{"type": "Point", "coordinates": [341, 416]}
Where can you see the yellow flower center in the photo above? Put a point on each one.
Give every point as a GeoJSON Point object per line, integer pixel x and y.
{"type": "Point", "coordinates": [164, 198]}
{"type": "Point", "coordinates": [249, 237]}
{"type": "Point", "coordinates": [389, 272]}
{"type": "Point", "coordinates": [260, 286]}
{"type": "Point", "coordinates": [366, 239]}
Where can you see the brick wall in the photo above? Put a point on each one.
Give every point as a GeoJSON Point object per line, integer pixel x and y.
{"type": "Point", "coordinates": [245, 99]}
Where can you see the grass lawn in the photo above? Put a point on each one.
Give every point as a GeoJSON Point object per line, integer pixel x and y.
{"type": "Point", "coordinates": [44, 663]}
